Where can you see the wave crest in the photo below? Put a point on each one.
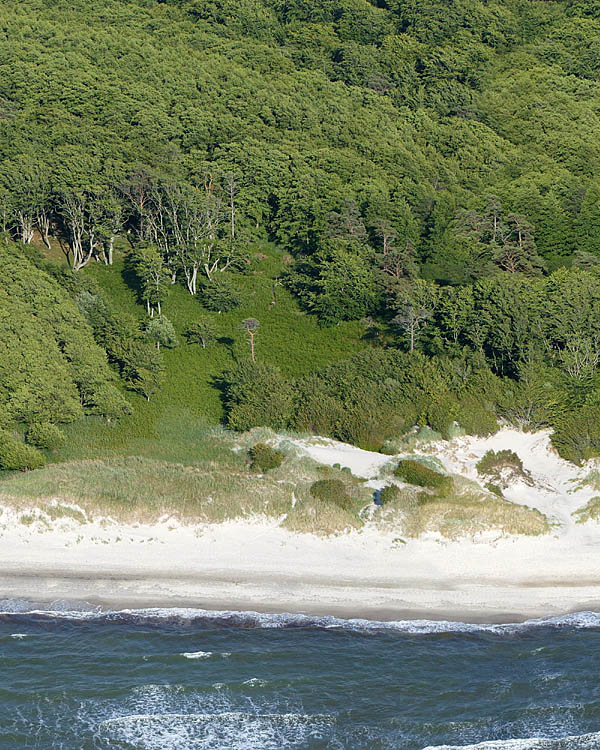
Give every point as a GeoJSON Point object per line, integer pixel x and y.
{"type": "Point", "coordinates": [574, 742]}
{"type": "Point", "coordinates": [248, 619]}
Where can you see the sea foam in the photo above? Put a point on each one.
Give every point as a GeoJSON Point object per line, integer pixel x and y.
{"type": "Point", "coordinates": [574, 742]}
{"type": "Point", "coordinates": [251, 619]}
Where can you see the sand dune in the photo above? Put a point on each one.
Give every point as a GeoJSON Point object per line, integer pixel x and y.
{"type": "Point", "coordinates": [259, 565]}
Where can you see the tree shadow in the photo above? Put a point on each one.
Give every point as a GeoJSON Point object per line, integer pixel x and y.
{"type": "Point", "coordinates": [228, 342]}
{"type": "Point", "coordinates": [130, 277]}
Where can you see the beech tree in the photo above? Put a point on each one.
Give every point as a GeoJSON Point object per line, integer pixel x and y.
{"type": "Point", "coordinates": [415, 305]}
{"type": "Point", "coordinates": [153, 276]}
{"type": "Point", "coordinates": [201, 332]}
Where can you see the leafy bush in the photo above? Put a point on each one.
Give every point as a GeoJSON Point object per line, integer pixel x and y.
{"type": "Point", "coordinates": [576, 435]}
{"type": "Point", "coordinates": [257, 395]}
{"type": "Point", "coordinates": [476, 418]}
{"type": "Point", "coordinates": [17, 456]}
{"type": "Point", "coordinates": [219, 296]}
{"type": "Point", "coordinates": [414, 472]}
{"type": "Point", "coordinates": [332, 491]}
{"type": "Point", "coordinates": [45, 435]}
{"type": "Point", "coordinates": [493, 462]}
{"type": "Point", "coordinates": [389, 493]}
{"type": "Point", "coordinates": [201, 332]}
{"type": "Point", "coordinates": [265, 457]}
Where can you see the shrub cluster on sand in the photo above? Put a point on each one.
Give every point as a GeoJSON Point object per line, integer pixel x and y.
{"type": "Point", "coordinates": [464, 511]}
{"type": "Point", "coordinates": [332, 491]}
{"type": "Point", "coordinates": [388, 494]}
{"type": "Point", "coordinates": [416, 473]}
{"type": "Point", "coordinates": [501, 467]}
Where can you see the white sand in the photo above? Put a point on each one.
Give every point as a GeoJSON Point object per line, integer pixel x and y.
{"type": "Point", "coordinates": [258, 565]}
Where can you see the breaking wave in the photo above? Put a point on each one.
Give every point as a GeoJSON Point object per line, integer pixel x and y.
{"type": "Point", "coordinates": [574, 742]}
{"type": "Point", "coordinates": [18, 609]}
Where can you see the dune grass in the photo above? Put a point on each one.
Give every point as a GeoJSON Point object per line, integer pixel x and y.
{"type": "Point", "coordinates": [589, 512]}
{"type": "Point", "coordinates": [463, 512]}
{"type": "Point", "coordinates": [215, 483]}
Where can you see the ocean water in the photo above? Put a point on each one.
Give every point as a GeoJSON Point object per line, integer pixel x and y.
{"type": "Point", "coordinates": [172, 679]}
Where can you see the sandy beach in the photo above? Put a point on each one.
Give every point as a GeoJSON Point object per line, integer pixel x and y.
{"type": "Point", "coordinates": [257, 565]}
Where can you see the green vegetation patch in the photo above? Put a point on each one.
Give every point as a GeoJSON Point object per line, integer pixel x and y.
{"type": "Point", "coordinates": [332, 491]}
{"type": "Point", "coordinates": [502, 467]}
{"type": "Point", "coordinates": [18, 456]}
{"type": "Point", "coordinates": [45, 435]}
{"type": "Point", "coordinates": [389, 494]}
{"type": "Point", "coordinates": [416, 473]}
{"type": "Point", "coordinates": [589, 512]}
{"type": "Point", "coordinates": [264, 457]}
{"type": "Point", "coordinates": [464, 512]}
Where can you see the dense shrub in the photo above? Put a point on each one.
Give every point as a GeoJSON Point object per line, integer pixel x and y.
{"type": "Point", "coordinates": [389, 493]}
{"type": "Point", "coordinates": [476, 418]}
{"type": "Point", "coordinates": [414, 472]}
{"type": "Point", "coordinates": [576, 436]}
{"type": "Point", "coordinates": [265, 457]}
{"type": "Point", "coordinates": [45, 435]}
{"type": "Point", "coordinates": [441, 414]}
{"type": "Point", "coordinates": [492, 462]}
{"type": "Point", "coordinates": [219, 296]}
{"type": "Point", "coordinates": [332, 491]}
{"type": "Point", "coordinates": [17, 456]}
{"type": "Point", "coordinates": [257, 395]}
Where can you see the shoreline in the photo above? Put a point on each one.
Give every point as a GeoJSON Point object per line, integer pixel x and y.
{"type": "Point", "coordinates": [466, 598]}
{"type": "Point", "coordinates": [255, 564]}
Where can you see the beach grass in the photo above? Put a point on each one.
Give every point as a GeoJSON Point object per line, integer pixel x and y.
{"type": "Point", "coordinates": [589, 512]}
{"type": "Point", "coordinates": [464, 512]}
{"type": "Point", "coordinates": [215, 483]}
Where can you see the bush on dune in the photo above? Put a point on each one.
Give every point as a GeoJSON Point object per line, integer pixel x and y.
{"type": "Point", "coordinates": [416, 473]}
{"type": "Point", "coordinates": [332, 491]}
{"type": "Point", "coordinates": [265, 457]}
{"type": "Point", "coordinates": [576, 436]}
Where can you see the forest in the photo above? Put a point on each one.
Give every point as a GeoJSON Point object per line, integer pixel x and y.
{"type": "Point", "coordinates": [349, 218]}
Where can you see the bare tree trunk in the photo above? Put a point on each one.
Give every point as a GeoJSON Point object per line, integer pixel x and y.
{"type": "Point", "coordinates": [252, 345]}
{"type": "Point", "coordinates": [25, 227]}
{"type": "Point", "coordinates": [43, 223]}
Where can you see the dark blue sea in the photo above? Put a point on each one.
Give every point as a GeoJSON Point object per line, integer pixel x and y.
{"type": "Point", "coordinates": [183, 679]}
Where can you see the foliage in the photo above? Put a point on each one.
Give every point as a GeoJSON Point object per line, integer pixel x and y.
{"type": "Point", "coordinates": [576, 436]}
{"type": "Point", "coordinates": [201, 332]}
{"type": "Point", "coordinates": [45, 435]}
{"type": "Point", "coordinates": [265, 457]}
{"type": "Point", "coordinates": [17, 456]}
{"type": "Point", "coordinates": [332, 491]}
{"type": "Point", "coordinates": [389, 494]}
{"type": "Point", "coordinates": [492, 462]}
{"type": "Point", "coordinates": [51, 369]}
{"type": "Point", "coordinates": [160, 331]}
{"type": "Point", "coordinates": [220, 296]}
{"type": "Point", "coordinates": [414, 472]}
{"type": "Point", "coordinates": [256, 394]}
{"type": "Point", "coordinates": [380, 160]}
